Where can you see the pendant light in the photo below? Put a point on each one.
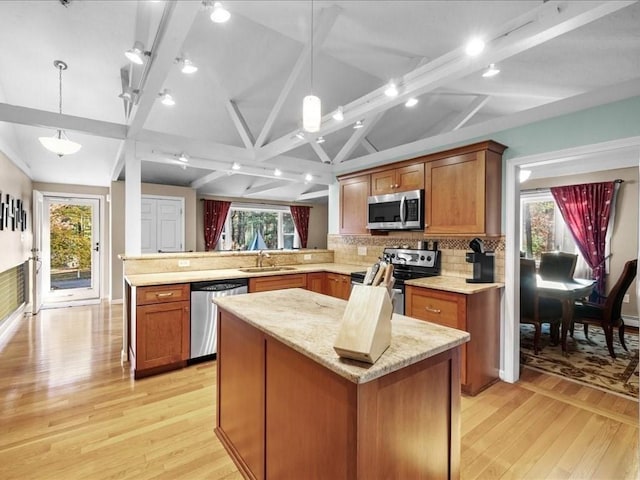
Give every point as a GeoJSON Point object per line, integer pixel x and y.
{"type": "Point", "coordinates": [59, 143]}
{"type": "Point", "coordinates": [311, 106]}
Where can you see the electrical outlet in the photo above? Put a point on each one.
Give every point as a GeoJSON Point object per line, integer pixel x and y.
{"type": "Point", "coordinates": [307, 256]}
{"type": "Point", "coordinates": [626, 298]}
{"type": "Point", "coordinates": [184, 263]}
{"type": "Point", "coordinates": [362, 251]}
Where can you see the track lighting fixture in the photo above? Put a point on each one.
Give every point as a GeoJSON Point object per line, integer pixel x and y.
{"type": "Point", "coordinates": [391, 90]}
{"type": "Point", "coordinates": [235, 166]}
{"type": "Point", "coordinates": [277, 172]}
{"type": "Point", "coordinates": [219, 13]}
{"type": "Point", "coordinates": [59, 143]}
{"type": "Point", "coordinates": [308, 177]}
{"type": "Point", "coordinates": [474, 47]}
{"type": "Point", "coordinates": [166, 98]}
{"type": "Point", "coordinates": [338, 116]}
{"type": "Point", "coordinates": [137, 53]}
{"type": "Point", "coordinates": [358, 124]}
{"type": "Point", "coordinates": [130, 95]}
{"type": "Point", "coordinates": [300, 135]}
{"type": "Point", "coordinates": [183, 157]}
{"type": "Point", "coordinates": [186, 65]}
{"type": "Point", "coordinates": [491, 71]}
{"type": "Point", "coordinates": [320, 139]}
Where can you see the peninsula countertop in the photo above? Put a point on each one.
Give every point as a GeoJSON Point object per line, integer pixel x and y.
{"type": "Point", "coordinates": [452, 284]}
{"type": "Point", "coordinates": [309, 322]}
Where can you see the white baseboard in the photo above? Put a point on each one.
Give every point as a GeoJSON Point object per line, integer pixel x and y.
{"type": "Point", "coordinates": [10, 325]}
{"type": "Point", "coordinates": [631, 321]}
{"type": "Point", "coordinates": [116, 301]}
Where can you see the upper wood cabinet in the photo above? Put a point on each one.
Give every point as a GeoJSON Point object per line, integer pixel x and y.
{"type": "Point", "coordinates": [402, 179]}
{"type": "Point", "coordinates": [354, 192]}
{"type": "Point", "coordinates": [463, 193]}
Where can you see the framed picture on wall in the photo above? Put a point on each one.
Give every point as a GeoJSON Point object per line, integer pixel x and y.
{"type": "Point", "coordinates": [1, 212]}
{"type": "Point", "coordinates": [24, 220]}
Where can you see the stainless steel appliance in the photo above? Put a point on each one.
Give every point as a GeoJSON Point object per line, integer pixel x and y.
{"type": "Point", "coordinates": [396, 211]}
{"type": "Point", "coordinates": [407, 264]}
{"type": "Point", "coordinates": [204, 313]}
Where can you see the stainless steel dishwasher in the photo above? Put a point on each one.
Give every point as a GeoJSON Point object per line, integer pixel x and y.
{"type": "Point", "coordinates": [204, 313]}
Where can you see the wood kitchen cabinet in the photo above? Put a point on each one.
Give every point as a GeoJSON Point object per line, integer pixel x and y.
{"type": "Point", "coordinates": [338, 285]}
{"type": "Point", "coordinates": [354, 192]}
{"type": "Point", "coordinates": [160, 336]}
{"type": "Point", "coordinates": [463, 192]}
{"type": "Point", "coordinates": [402, 179]}
{"type": "Point", "coordinates": [277, 282]}
{"type": "Point", "coordinates": [476, 313]}
{"type": "Point", "coordinates": [316, 282]}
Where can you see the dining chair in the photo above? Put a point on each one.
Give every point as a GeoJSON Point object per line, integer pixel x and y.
{"type": "Point", "coordinates": [534, 310]}
{"type": "Point", "coordinates": [608, 314]}
{"type": "Point", "coordinates": [557, 265]}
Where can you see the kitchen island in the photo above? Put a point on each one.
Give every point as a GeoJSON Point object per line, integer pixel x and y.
{"type": "Point", "coordinates": [289, 407]}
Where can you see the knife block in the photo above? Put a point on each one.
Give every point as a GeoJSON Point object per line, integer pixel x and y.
{"type": "Point", "coordinates": [365, 332]}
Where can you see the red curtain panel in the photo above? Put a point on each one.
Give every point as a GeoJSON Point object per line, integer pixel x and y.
{"type": "Point", "coordinates": [215, 214]}
{"type": "Point", "coordinates": [586, 210]}
{"type": "Point", "coordinates": [300, 216]}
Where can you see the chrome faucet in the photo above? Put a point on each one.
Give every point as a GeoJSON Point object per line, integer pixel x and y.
{"type": "Point", "coordinates": [261, 256]}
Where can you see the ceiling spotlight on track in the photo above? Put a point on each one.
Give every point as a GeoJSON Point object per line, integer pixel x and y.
{"type": "Point", "coordinates": [183, 157]}
{"type": "Point", "coordinates": [219, 14]}
{"type": "Point", "coordinates": [338, 116]}
{"type": "Point", "coordinates": [186, 65]}
{"type": "Point", "coordinates": [474, 47]}
{"type": "Point", "coordinates": [277, 172]}
{"type": "Point", "coordinates": [137, 53]}
{"type": "Point", "coordinates": [59, 143]}
{"type": "Point", "coordinates": [320, 139]}
{"type": "Point", "coordinates": [166, 98]}
{"type": "Point", "coordinates": [391, 90]}
{"type": "Point", "coordinates": [358, 124]}
{"type": "Point", "coordinates": [491, 71]}
{"type": "Point", "coordinates": [235, 166]}
{"type": "Point", "coordinates": [412, 102]}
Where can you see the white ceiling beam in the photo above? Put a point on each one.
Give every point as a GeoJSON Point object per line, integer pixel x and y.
{"type": "Point", "coordinates": [312, 195]}
{"type": "Point", "coordinates": [202, 181]}
{"type": "Point", "coordinates": [369, 147]}
{"type": "Point", "coordinates": [322, 155]}
{"type": "Point", "coordinates": [194, 147]}
{"type": "Point", "coordinates": [240, 124]}
{"type": "Point", "coordinates": [324, 24]}
{"type": "Point", "coordinates": [265, 187]}
{"type": "Point", "coordinates": [464, 116]}
{"type": "Point", "coordinates": [174, 27]}
{"type": "Point", "coordinates": [42, 118]}
{"type": "Point", "coordinates": [545, 22]}
{"type": "Point", "coordinates": [357, 136]}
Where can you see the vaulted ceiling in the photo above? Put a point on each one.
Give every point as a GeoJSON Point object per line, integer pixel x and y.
{"type": "Point", "coordinates": [244, 103]}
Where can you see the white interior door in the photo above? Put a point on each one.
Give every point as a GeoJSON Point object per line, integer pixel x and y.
{"type": "Point", "coordinates": [36, 253]}
{"type": "Point", "coordinates": [70, 250]}
{"type": "Point", "coordinates": [162, 228]}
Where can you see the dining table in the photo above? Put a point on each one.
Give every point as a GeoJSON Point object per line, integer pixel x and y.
{"type": "Point", "coordinates": [567, 292]}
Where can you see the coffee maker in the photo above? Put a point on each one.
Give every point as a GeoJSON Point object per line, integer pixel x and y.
{"type": "Point", "coordinates": [483, 262]}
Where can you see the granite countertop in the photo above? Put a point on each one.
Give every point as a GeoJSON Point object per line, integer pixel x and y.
{"type": "Point", "coordinates": [452, 284]}
{"type": "Point", "coordinates": [147, 279]}
{"type": "Point", "coordinates": [309, 323]}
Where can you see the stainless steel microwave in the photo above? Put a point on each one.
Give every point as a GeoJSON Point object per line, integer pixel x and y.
{"type": "Point", "coordinates": [396, 211]}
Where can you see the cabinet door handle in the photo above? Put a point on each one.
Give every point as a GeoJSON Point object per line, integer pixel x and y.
{"type": "Point", "coordinates": [432, 310]}
{"type": "Point", "coordinates": [164, 294]}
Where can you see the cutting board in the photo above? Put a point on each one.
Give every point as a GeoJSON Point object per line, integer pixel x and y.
{"type": "Point", "coordinates": [365, 332]}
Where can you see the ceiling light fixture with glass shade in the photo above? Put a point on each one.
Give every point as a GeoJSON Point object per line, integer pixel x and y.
{"type": "Point", "coordinates": [219, 13]}
{"type": "Point", "coordinates": [186, 65]}
{"type": "Point", "coordinates": [166, 98]}
{"type": "Point", "coordinates": [59, 143]}
{"type": "Point", "coordinates": [412, 102]}
{"type": "Point", "coordinates": [137, 53]}
{"type": "Point", "coordinates": [491, 71]}
{"type": "Point", "coordinates": [311, 105]}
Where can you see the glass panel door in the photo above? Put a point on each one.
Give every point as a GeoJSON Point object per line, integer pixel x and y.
{"type": "Point", "coordinates": [71, 250]}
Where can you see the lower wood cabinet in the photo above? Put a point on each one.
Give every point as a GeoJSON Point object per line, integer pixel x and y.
{"type": "Point", "coordinates": [161, 333]}
{"type": "Point", "coordinates": [477, 314]}
{"type": "Point", "coordinates": [316, 282]}
{"type": "Point", "coordinates": [338, 285]}
{"type": "Point", "coordinates": [277, 282]}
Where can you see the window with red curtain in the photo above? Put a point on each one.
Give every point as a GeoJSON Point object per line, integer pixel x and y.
{"type": "Point", "coordinates": [300, 216]}
{"type": "Point", "coordinates": [215, 214]}
{"type": "Point", "coordinates": [586, 209]}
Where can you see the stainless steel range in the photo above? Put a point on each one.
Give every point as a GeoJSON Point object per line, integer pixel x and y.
{"type": "Point", "coordinates": [407, 264]}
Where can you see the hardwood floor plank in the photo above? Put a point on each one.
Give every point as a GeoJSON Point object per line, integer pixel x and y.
{"type": "Point", "coordinates": [70, 411]}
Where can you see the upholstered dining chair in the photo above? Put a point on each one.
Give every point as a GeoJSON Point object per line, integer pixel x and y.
{"type": "Point", "coordinates": [535, 310]}
{"type": "Point", "coordinates": [608, 315]}
{"type": "Point", "coordinates": [557, 265]}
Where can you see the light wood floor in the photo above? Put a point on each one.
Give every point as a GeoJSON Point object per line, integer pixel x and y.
{"type": "Point", "coordinates": [70, 411]}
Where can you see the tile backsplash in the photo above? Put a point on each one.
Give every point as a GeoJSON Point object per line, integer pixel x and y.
{"type": "Point", "coordinates": [366, 249]}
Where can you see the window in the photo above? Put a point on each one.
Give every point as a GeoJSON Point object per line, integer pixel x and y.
{"type": "Point", "coordinates": [251, 227]}
{"type": "Point", "coordinates": [542, 228]}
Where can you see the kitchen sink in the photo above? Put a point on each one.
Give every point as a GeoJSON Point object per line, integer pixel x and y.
{"type": "Point", "coordinates": [265, 269]}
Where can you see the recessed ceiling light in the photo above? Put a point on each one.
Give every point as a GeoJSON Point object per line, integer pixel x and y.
{"type": "Point", "coordinates": [183, 157]}
{"type": "Point", "coordinates": [391, 90]}
{"type": "Point", "coordinates": [412, 102]}
{"type": "Point", "coordinates": [219, 14]}
{"type": "Point", "coordinates": [136, 54]}
{"type": "Point", "coordinates": [320, 139]}
{"type": "Point", "coordinates": [235, 166]}
{"type": "Point", "coordinates": [308, 177]}
{"type": "Point", "coordinates": [187, 66]}
{"type": "Point", "coordinates": [277, 172]}
{"type": "Point", "coordinates": [166, 98]}
{"type": "Point", "coordinates": [358, 124]}
{"type": "Point", "coordinates": [491, 71]}
{"type": "Point", "coordinates": [338, 116]}
{"type": "Point", "coordinates": [474, 47]}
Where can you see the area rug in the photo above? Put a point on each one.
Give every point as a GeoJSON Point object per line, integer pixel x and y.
{"type": "Point", "coordinates": [588, 361]}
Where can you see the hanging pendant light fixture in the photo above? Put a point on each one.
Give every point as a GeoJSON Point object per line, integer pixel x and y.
{"type": "Point", "coordinates": [311, 105]}
{"type": "Point", "coordinates": [59, 143]}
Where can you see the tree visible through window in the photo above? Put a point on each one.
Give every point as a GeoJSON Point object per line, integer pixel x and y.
{"type": "Point", "coordinates": [249, 228]}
